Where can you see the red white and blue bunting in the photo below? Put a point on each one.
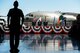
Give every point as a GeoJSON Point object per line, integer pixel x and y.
{"type": "Point", "coordinates": [46, 29]}
{"type": "Point", "coordinates": [26, 29]}
{"type": "Point", "coordinates": [57, 29]}
{"type": "Point", "coordinates": [66, 29]}
{"type": "Point", "coordinates": [39, 29]}
{"type": "Point", "coordinates": [36, 29]}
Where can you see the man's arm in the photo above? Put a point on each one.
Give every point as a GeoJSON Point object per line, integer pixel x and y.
{"type": "Point", "coordinates": [8, 18]}
{"type": "Point", "coordinates": [8, 21]}
{"type": "Point", "coordinates": [22, 16]}
{"type": "Point", "coordinates": [22, 19]}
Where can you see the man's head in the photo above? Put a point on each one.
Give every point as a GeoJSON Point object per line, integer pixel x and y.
{"type": "Point", "coordinates": [15, 4]}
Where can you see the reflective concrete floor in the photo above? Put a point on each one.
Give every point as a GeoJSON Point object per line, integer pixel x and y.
{"type": "Point", "coordinates": [32, 46]}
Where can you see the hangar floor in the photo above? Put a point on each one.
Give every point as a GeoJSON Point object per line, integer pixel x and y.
{"type": "Point", "coordinates": [30, 46]}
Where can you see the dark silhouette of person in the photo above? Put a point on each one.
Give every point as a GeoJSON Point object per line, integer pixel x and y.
{"type": "Point", "coordinates": [1, 31]}
{"type": "Point", "coordinates": [45, 42]}
{"type": "Point", "coordinates": [74, 33]}
{"type": "Point", "coordinates": [14, 16]}
{"type": "Point", "coordinates": [1, 35]}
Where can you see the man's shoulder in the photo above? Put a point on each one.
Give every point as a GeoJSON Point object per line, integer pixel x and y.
{"type": "Point", "coordinates": [11, 9]}
{"type": "Point", "coordinates": [19, 9]}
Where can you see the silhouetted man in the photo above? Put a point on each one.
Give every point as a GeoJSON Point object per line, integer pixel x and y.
{"type": "Point", "coordinates": [14, 17]}
{"type": "Point", "coordinates": [74, 32]}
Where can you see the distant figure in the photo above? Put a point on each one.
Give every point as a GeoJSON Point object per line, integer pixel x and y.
{"type": "Point", "coordinates": [74, 33]}
{"type": "Point", "coordinates": [45, 41]}
{"type": "Point", "coordinates": [14, 17]}
{"type": "Point", "coordinates": [1, 35]}
{"type": "Point", "coordinates": [62, 42]}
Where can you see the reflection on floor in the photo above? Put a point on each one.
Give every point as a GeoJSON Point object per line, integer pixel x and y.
{"type": "Point", "coordinates": [32, 44]}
